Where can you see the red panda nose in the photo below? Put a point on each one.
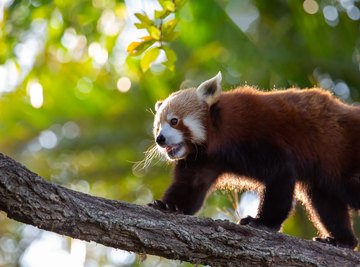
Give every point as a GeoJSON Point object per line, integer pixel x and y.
{"type": "Point", "coordinates": [160, 140]}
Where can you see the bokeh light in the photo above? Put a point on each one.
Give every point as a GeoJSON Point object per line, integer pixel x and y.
{"type": "Point", "coordinates": [48, 139]}
{"type": "Point", "coordinates": [98, 53]}
{"type": "Point", "coordinates": [353, 12]}
{"type": "Point", "coordinates": [331, 15]}
{"type": "Point", "coordinates": [35, 91]}
{"type": "Point", "coordinates": [70, 130]}
{"type": "Point", "coordinates": [124, 84]}
{"type": "Point", "coordinates": [9, 76]}
{"type": "Point", "coordinates": [109, 24]}
{"type": "Point", "coordinates": [311, 6]}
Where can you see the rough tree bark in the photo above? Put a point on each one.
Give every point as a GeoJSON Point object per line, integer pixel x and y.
{"type": "Point", "coordinates": [28, 198]}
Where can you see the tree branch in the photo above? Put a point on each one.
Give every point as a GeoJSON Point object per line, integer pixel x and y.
{"type": "Point", "coordinates": [28, 198]}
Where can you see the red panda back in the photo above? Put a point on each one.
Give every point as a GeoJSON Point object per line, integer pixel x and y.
{"type": "Point", "coordinates": [312, 125]}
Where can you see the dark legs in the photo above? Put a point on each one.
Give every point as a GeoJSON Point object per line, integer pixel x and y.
{"type": "Point", "coordinates": [276, 203]}
{"type": "Point", "coordinates": [187, 198]}
{"type": "Point", "coordinates": [192, 181]}
{"type": "Point", "coordinates": [332, 219]}
{"type": "Point", "coordinates": [182, 198]}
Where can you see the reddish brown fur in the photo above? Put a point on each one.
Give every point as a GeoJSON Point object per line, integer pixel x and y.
{"type": "Point", "coordinates": [278, 140]}
{"type": "Point", "coordinates": [285, 118]}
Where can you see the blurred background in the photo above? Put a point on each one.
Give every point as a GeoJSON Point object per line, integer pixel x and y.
{"type": "Point", "coordinates": [76, 108]}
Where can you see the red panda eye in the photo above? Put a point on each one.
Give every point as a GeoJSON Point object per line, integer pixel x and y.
{"type": "Point", "coordinates": [173, 121]}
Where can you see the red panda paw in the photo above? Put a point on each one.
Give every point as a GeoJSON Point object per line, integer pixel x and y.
{"type": "Point", "coordinates": [326, 240]}
{"type": "Point", "coordinates": [332, 241]}
{"type": "Point", "coordinates": [256, 223]}
{"type": "Point", "coordinates": [166, 207]}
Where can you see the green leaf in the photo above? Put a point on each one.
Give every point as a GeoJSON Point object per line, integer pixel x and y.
{"type": "Point", "coordinates": [169, 26]}
{"type": "Point", "coordinates": [154, 32]}
{"type": "Point", "coordinates": [167, 4]}
{"type": "Point", "coordinates": [146, 38]}
{"type": "Point", "coordinates": [161, 2]}
{"type": "Point", "coordinates": [167, 30]}
{"type": "Point", "coordinates": [141, 26]}
{"type": "Point", "coordinates": [162, 14]}
{"type": "Point", "coordinates": [133, 46]}
{"type": "Point", "coordinates": [144, 19]}
{"type": "Point", "coordinates": [171, 58]}
{"type": "Point", "coordinates": [171, 37]}
{"type": "Point", "coordinates": [136, 48]}
{"type": "Point", "coordinates": [149, 57]}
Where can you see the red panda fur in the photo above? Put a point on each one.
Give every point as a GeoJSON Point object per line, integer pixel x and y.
{"type": "Point", "coordinates": [273, 141]}
{"type": "Point", "coordinates": [312, 124]}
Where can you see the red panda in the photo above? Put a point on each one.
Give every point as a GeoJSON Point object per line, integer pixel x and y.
{"type": "Point", "coordinates": [303, 143]}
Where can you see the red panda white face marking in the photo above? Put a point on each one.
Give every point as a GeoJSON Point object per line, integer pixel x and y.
{"type": "Point", "coordinates": [180, 120]}
{"type": "Point", "coordinates": [196, 127]}
{"type": "Point", "coordinates": [171, 141]}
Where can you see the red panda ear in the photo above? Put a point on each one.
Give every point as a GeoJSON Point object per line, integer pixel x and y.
{"type": "Point", "coordinates": [210, 90]}
{"type": "Point", "coordinates": [157, 105]}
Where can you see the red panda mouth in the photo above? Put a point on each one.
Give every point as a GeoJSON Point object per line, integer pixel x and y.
{"type": "Point", "coordinates": [172, 150]}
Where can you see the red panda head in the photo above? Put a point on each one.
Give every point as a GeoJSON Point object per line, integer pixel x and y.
{"type": "Point", "coordinates": [180, 120]}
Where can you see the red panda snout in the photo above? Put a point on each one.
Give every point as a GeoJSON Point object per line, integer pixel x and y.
{"type": "Point", "coordinates": [160, 140]}
{"type": "Point", "coordinates": [170, 141]}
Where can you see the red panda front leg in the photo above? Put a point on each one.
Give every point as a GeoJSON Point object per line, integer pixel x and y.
{"type": "Point", "coordinates": [187, 192]}
{"type": "Point", "coordinates": [275, 203]}
{"type": "Point", "coordinates": [184, 198]}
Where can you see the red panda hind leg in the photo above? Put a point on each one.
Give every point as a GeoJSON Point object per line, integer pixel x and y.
{"type": "Point", "coordinates": [275, 201]}
{"type": "Point", "coordinates": [331, 217]}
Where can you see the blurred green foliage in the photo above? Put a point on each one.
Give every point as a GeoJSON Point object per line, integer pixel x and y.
{"type": "Point", "coordinates": [160, 31]}
{"type": "Point", "coordinates": [75, 107]}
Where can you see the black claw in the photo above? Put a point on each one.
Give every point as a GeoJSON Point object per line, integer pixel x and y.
{"type": "Point", "coordinates": [167, 207]}
{"type": "Point", "coordinates": [326, 240]}
{"type": "Point", "coordinates": [157, 204]}
{"type": "Point", "coordinates": [257, 223]}
{"type": "Point", "coordinates": [248, 221]}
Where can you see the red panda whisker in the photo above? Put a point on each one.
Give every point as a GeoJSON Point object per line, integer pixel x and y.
{"type": "Point", "coordinates": [150, 111]}
{"type": "Point", "coordinates": [150, 154]}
